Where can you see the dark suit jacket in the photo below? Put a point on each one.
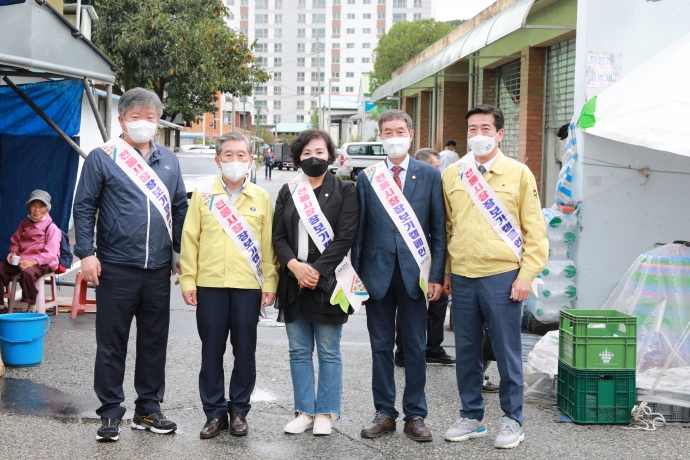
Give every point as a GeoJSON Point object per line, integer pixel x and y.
{"type": "Point", "coordinates": [338, 201]}
{"type": "Point", "coordinates": [378, 239]}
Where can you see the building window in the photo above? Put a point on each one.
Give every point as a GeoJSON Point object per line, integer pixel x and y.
{"type": "Point", "coordinates": [335, 61]}
{"type": "Point", "coordinates": [366, 60]}
{"type": "Point", "coordinates": [382, 2]}
{"type": "Point", "coordinates": [276, 119]}
{"type": "Point", "coordinates": [366, 46]}
{"type": "Point", "coordinates": [417, 16]}
{"type": "Point", "coordinates": [262, 61]}
{"type": "Point", "coordinates": [315, 76]}
{"type": "Point", "coordinates": [301, 4]}
{"type": "Point", "coordinates": [277, 76]}
{"type": "Point", "coordinates": [336, 2]}
{"type": "Point", "coordinates": [417, 3]}
{"type": "Point", "coordinates": [301, 48]}
{"type": "Point", "coordinates": [336, 31]}
{"type": "Point", "coordinates": [301, 19]}
{"type": "Point", "coordinates": [260, 91]}
{"type": "Point", "coordinates": [399, 3]}
{"type": "Point", "coordinates": [318, 3]}
{"type": "Point", "coordinates": [261, 18]}
{"type": "Point", "coordinates": [278, 18]}
{"type": "Point", "coordinates": [231, 2]}
{"type": "Point", "coordinates": [261, 4]}
{"type": "Point", "coordinates": [349, 75]}
{"type": "Point", "coordinates": [300, 118]}
{"type": "Point", "coordinates": [279, 4]}
{"type": "Point", "coordinates": [314, 91]}
{"type": "Point", "coordinates": [300, 91]}
{"type": "Point", "coordinates": [336, 16]}
{"type": "Point", "coordinates": [335, 74]}
{"type": "Point", "coordinates": [399, 17]}
{"type": "Point", "coordinates": [277, 90]}
{"type": "Point", "coordinates": [366, 16]}
{"type": "Point", "coordinates": [350, 31]}
{"type": "Point", "coordinates": [335, 46]}
{"type": "Point", "coordinates": [261, 48]}
{"type": "Point", "coordinates": [244, 17]}
{"type": "Point", "coordinates": [231, 16]}
{"type": "Point", "coordinates": [301, 62]}
{"type": "Point", "coordinates": [277, 105]}
{"type": "Point", "coordinates": [351, 15]}
{"type": "Point", "coordinates": [366, 31]}
{"type": "Point", "coordinates": [381, 31]}
{"type": "Point", "coordinates": [300, 76]}
{"type": "Point", "coordinates": [300, 105]}
{"type": "Point", "coordinates": [263, 119]}
{"type": "Point", "coordinates": [263, 105]}
{"type": "Point", "coordinates": [277, 33]}
{"type": "Point", "coordinates": [318, 19]}
{"type": "Point", "coordinates": [350, 46]}
{"type": "Point", "coordinates": [312, 104]}
{"type": "Point", "coordinates": [350, 2]}
{"type": "Point", "coordinates": [277, 47]}
{"type": "Point", "coordinates": [260, 33]}
{"type": "Point", "coordinates": [244, 31]}
{"type": "Point", "coordinates": [244, 2]}
{"type": "Point", "coordinates": [366, 2]}
{"type": "Point", "coordinates": [301, 33]}
{"type": "Point", "coordinates": [318, 33]}
{"type": "Point", "coordinates": [315, 62]}
{"type": "Point", "coordinates": [335, 89]}
{"type": "Point", "coordinates": [277, 62]}
{"type": "Point", "coordinates": [349, 89]}
{"type": "Point", "coordinates": [381, 16]}
{"type": "Point", "coordinates": [350, 60]}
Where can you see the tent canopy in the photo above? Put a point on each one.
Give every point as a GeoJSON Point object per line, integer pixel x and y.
{"type": "Point", "coordinates": [648, 106]}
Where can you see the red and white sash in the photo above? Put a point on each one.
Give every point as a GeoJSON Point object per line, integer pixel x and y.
{"type": "Point", "coordinates": [349, 285]}
{"type": "Point", "coordinates": [145, 178]}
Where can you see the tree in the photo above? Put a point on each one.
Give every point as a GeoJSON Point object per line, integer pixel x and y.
{"type": "Point", "coordinates": [404, 41]}
{"type": "Point", "coordinates": [181, 49]}
{"type": "Point", "coordinates": [315, 119]}
{"type": "Point", "coordinates": [456, 22]}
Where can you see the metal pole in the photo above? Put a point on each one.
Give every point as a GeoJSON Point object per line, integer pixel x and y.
{"type": "Point", "coordinates": [245, 115]}
{"type": "Point", "coordinates": [94, 109]}
{"type": "Point", "coordinates": [470, 90]}
{"type": "Point", "coordinates": [233, 114]}
{"type": "Point", "coordinates": [78, 16]}
{"type": "Point", "coordinates": [258, 117]}
{"type": "Point", "coordinates": [318, 78]}
{"type": "Point", "coordinates": [108, 109]}
{"type": "Point", "coordinates": [330, 88]}
{"type": "Point", "coordinates": [45, 117]}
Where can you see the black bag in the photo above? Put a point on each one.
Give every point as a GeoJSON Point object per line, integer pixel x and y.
{"type": "Point", "coordinates": [65, 258]}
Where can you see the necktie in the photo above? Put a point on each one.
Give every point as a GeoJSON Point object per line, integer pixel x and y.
{"type": "Point", "coordinates": [482, 169]}
{"type": "Point", "coordinates": [396, 175]}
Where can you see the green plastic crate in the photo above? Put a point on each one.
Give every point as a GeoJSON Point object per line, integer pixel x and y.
{"type": "Point", "coordinates": [598, 339]}
{"type": "Point", "coordinates": [601, 397]}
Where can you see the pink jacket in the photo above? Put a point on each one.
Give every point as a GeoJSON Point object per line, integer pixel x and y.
{"type": "Point", "coordinates": [37, 241]}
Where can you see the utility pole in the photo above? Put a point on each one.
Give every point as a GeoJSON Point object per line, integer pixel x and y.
{"type": "Point", "coordinates": [330, 88]}
{"type": "Point", "coordinates": [258, 116]}
{"type": "Point", "coordinates": [232, 123]}
{"type": "Point", "coordinates": [244, 99]}
{"type": "Point", "coordinates": [318, 78]}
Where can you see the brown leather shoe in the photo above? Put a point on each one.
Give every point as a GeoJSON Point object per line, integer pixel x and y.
{"type": "Point", "coordinates": [381, 424]}
{"type": "Point", "coordinates": [238, 423]}
{"type": "Point", "coordinates": [416, 430]}
{"type": "Point", "coordinates": [213, 427]}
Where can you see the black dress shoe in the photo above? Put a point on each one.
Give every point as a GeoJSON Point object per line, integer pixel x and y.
{"type": "Point", "coordinates": [381, 424]}
{"type": "Point", "coordinates": [489, 387]}
{"type": "Point", "coordinates": [441, 359]}
{"type": "Point", "coordinates": [213, 427]}
{"type": "Point", "coordinates": [416, 430]}
{"type": "Point", "coordinates": [238, 423]}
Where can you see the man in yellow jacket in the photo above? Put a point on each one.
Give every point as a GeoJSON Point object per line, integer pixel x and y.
{"type": "Point", "coordinates": [496, 247]}
{"type": "Point", "coordinates": [229, 271]}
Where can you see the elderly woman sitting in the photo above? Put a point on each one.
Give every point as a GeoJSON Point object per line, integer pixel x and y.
{"type": "Point", "coordinates": [34, 248]}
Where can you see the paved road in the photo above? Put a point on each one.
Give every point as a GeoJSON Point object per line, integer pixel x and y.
{"type": "Point", "coordinates": [47, 411]}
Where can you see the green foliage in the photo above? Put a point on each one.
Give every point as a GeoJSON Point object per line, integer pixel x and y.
{"type": "Point", "coordinates": [315, 119]}
{"type": "Point", "coordinates": [455, 23]}
{"type": "Point", "coordinates": [404, 41]}
{"type": "Point", "coordinates": [181, 49]}
{"type": "Point", "coordinates": [356, 139]}
{"type": "Point", "coordinates": [374, 137]}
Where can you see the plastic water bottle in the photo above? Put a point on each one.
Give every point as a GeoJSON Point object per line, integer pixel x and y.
{"type": "Point", "coordinates": [558, 289]}
{"type": "Point", "coordinates": [561, 234]}
{"type": "Point", "coordinates": [558, 250]}
{"type": "Point", "coordinates": [559, 267]}
{"type": "Point", "coordinates": [546, 311]}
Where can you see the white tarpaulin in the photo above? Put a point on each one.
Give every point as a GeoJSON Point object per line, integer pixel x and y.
{"type": "Point", "coordinates": [647, 107]}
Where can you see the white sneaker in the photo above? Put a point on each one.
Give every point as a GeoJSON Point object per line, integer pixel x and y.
{"type": "Point", "coordinates": [464, 429]}
{"type": "Point", "coordinates": [300, 424]}
{"type": "Point", "coordinates": [322, 426]}
{"type": "Point", "coordinates": [511, 434]}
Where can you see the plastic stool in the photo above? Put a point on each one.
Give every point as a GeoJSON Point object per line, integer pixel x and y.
{"type": "Point", "coordinates": [42, 304]}
{"type": "Point", "coordinates": [79, 301]}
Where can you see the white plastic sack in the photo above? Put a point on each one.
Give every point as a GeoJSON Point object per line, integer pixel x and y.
{"type": "Point", "coordinates": [541, 369]}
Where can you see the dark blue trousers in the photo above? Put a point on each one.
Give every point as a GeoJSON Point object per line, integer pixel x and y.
{"type": "Point", "coordinates": [221, 311]}
{"type": "Point", "coordinates": [381, 320]}
{"type": "Point", "coordinates": [477, 301]}
{"type": "Point", "coordinates": [125, 293]}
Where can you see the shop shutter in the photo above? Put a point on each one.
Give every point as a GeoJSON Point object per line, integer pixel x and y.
{"type": "Point", "coordinates": [560, 84]}
{"type": "Point", "coordinates": [508, 79]}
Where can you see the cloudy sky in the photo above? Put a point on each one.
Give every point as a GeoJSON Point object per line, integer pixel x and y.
{"type": "Point", "coordinates": [446, 10]}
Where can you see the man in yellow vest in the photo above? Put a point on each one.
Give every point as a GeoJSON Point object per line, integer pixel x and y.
{"type": "Point", "coordinates": [496, 247]}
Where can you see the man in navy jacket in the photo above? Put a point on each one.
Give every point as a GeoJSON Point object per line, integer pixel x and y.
{"type": "Point", "coordinates": [131, 264]}
{"type": "Point", "coordinates": [385, 263]}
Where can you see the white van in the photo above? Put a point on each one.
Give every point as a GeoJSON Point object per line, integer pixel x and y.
{"type": "Point", "coordinates": [355, 156]}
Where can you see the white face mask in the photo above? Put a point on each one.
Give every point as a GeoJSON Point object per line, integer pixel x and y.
{"type": "Point", "coordinates": [396, 147]}
{"type": "Point", "coordinates": [141, 131]}
{"type": "Point", "coordinates": [234, 170]}
{"type": "Point", "coordinates": [481, 146]}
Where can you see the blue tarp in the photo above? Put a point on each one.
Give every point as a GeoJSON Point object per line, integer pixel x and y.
{"type": "Point", "coordinates": [33, 156]}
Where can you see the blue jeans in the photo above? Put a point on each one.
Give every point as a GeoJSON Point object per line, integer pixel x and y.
{"type": "Point", "coordinates": [477, 301]}
{"type": "Point", "coordinates": [302, 334]}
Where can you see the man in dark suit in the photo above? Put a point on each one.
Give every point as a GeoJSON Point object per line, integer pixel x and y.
{"type": "Point", "coordinates": [390, 270]}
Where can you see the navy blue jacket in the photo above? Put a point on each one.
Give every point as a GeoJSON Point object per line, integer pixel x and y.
{"type": "Point", "coordinates": [131, 230]}
{"type": "Point", "coordinates": [378, 239]}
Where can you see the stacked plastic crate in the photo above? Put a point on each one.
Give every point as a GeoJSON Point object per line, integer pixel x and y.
{"type": "Point", "coordinates": [596, 365]}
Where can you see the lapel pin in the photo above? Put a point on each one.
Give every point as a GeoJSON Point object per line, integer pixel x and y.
{"type": "Point", "coordinates": [326, 194]}
{"type": "Point", "coordinates": [414, 177]}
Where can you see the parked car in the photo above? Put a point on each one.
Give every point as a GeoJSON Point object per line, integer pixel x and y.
{"type": "Point", "coordinates": [198, 148]}
{"type": "Point", "coordinates": [355, 156]}
{"type": "Point", "coordinates": [200, 168]}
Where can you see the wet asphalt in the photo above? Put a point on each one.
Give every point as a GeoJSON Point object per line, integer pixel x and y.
{"type": "Point", "coordinates": [48, 410]}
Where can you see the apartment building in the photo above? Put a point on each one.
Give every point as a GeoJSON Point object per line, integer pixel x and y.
{"type": "Point", "coordinates": [305, 43]}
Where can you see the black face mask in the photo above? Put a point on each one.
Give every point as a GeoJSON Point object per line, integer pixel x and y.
{"type": "Point", "coordinates": [314, 167]}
